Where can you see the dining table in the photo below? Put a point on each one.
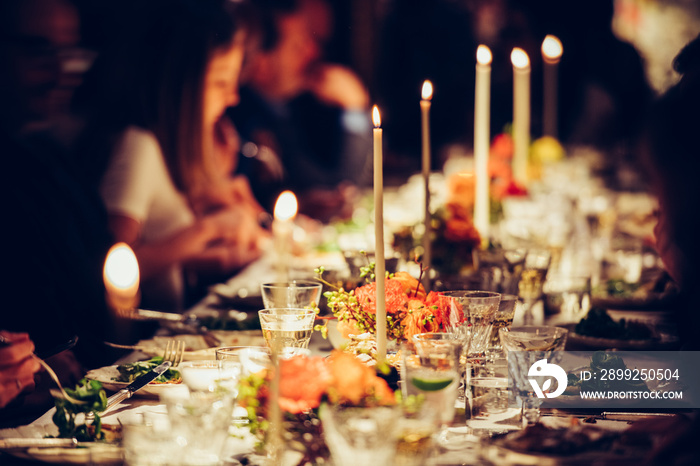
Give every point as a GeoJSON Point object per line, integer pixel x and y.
{"type": "Point", "coordinates": [239, 297]}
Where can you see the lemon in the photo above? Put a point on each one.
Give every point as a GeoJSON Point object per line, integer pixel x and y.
{"type": "Point", "coordinates": [430, 385]}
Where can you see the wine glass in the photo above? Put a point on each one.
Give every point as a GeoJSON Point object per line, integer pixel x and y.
{"type": "Point", "coordinates": [526, 346]}
{"type": "Point", "coordinates": [293, 294]}
{"type": "Point", "coordinates": [285, 328]}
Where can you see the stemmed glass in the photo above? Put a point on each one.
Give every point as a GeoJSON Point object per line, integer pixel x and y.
{"type": "Point", "coordinates": [293, 294]}
{"type": "Point", "coordinates": [526, 346]}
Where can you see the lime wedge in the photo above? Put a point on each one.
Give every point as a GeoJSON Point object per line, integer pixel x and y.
{"type": "Point", "coordinates": [430, 385]}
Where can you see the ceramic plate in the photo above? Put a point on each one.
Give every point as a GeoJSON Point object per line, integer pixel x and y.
{"type": "Point", "coordinates": [584, 342]}
{"type": "Point", "coordinates": [107, 375]}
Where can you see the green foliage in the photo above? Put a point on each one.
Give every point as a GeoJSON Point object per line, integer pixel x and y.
{"type": "Point", "coordinates": [66, 414]}
{"type": "Point", "coordinates": [129, 372]}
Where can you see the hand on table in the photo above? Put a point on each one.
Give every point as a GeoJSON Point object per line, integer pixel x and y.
{"type": "Point", "coordinates": [17, 367]}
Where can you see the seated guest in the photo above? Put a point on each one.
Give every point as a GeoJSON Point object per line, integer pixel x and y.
{"type": "Point", "coordinates": [153, 105]}
{"type": "Point", "coordinates": [17, 367]}
{"type": "Point", "coordinates": [673, 166]}
{"type": "Point", "coordinates": [306, 122]}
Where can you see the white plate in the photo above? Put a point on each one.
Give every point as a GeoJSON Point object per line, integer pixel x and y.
{"type": "Point", "coordinates": [195, 346]}
{"type": "Point", "coordinates": [107, 375]}
{"type": "Point", "coordinates": [99, 454]}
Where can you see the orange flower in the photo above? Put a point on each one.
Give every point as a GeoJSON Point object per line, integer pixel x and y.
{"type": "Point", "coordinates": [409, 285]}
{"type": "Point", "coordinates": [348, 327]}
{"type": "Point", "coordinates": [303, 382]}
{"type": "Point", "coordinates": [419, 319]}
{"type": "Point", "coordinates": [353, 382]}
{"type": "Point", "coordinates": [396, 299]}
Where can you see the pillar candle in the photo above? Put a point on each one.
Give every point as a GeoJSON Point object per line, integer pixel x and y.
{"type": "Point", "coordinates": [551, 54]}
{"type": "Point", "coordinates": [379, 235]}
{"type": "Point", "coordinates": [426, 95]}
{"type": "Point", "coordinates": [283, 231]}
{"type": "Point", "coordinates": [521, 114]}
{"type": "Point", "coordinates": [482, 136]}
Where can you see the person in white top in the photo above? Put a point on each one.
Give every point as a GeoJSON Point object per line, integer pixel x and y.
{"type": "Point", "coordinates": [165, 91]}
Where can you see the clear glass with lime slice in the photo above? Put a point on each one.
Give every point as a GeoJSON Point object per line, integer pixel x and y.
{"type": "Point", "coordinates": [430, 374]}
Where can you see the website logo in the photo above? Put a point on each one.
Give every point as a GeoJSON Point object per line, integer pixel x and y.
{"type": "Point", "coordinates": [543, 369]}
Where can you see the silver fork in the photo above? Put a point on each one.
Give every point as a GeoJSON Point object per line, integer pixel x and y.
{"type": "Point", "coordinates": [174, 352]}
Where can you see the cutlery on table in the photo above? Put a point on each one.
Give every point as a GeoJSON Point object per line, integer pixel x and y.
{"type": "Point", "coordinates": [188, 320]}
{"type": "Point", "coordinates": [22, 442]}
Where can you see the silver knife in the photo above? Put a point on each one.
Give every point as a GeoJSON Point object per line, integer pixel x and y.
{"type": "Point", "coordinates": [20, 443]}
{"type": "Point", "coordinates": [136, 385]}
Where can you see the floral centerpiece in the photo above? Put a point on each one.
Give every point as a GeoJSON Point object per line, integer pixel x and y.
{"type": "Point", "coordinates": [306, 383]}
{"type": "Point", "coordinates": [409, 309]}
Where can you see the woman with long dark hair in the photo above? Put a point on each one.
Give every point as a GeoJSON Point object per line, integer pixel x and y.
{"type": "Point", "coordinates": [152, 107]}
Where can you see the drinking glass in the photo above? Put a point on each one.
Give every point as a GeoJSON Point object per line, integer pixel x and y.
{"type": "Point", "coordinates": [286, 327]}
{"type": "Point", "coordinates": [430, 369]}
{"type": "Point", "coordinates": [252, 359]}
{"type": "Point", "coordinates": [504, 318]}
{"type": "Point", "coordinates": [487, 409]}
{"type": "Point", "coordinates": [525, 346]}
{"type": "Point", "coordinates": [570, 296]}
{"type": "Point", "coordinates": [532, 281]}
{"type": "Point", "coordinates": [210, 375]}
{"type": "Point", "coordinates": [200, 421]}
{"type": "Point", "coordinates": [499, 269]}
{"type": "Point", "coordinates": [478, 312]}
{"type": "Point", "coordinates": [361, 435]}
{"type": "Point", "coordinates": [293, 294]}
{"type": "Point", "coordinates": [148, 440]}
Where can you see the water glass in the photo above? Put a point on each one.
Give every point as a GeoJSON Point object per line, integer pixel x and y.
{"type": "Point", "coordinates": [568, 296]}
{"type": "Point", "coordinates": [487, 409]}
{"type": "Point", "coordinates": [252, 359]}
{"type": "Point", "coordinates": [430, 370]}
{"type": "Point", "coordinates": [478, 312]}
{"type": "Point", "coordinates": [287, 327]}
{"type": "Point", "coordinates": [526, 346]}
{"type": "Point", "coordinates": [148, 440]}
{"type": "Point", "coordinates": [293, 294]}
{"type": "Point", "coordinates": [210, 375]}
{"type": "Point", "coordinates": [361, 435]}
{"type": "Point", "coordinates": [499, 269]}
{"type": "Point", "coordinates": [200, 422]}
{"type": "Point", "coordinates": [504, 318]}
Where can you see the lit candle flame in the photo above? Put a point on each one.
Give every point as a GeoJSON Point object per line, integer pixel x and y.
{"type": "Point", "coordinates": [121, 267]}
{"type": "Point", "coordinates": [427, 91]}
{"type": "Point", "coordinates": [375, 117]}
{"type": "Point", "coordinates": [519, 58]}
{"type": "Point", "coordinates": [121, 277]}
{"type": "Point", "coordinates": [483, 55]}
{"type": "Point", "coordinates": [552, 48]}
{"type": "Point", "coordinates": [286, 206]}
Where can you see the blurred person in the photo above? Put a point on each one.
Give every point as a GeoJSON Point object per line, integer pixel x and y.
{"type": "Point", "coordinates": [671, 153]}
{"type": "Point", "coordinates": [153, 104]}
{"type": "Point", "coordinates": [304, 123]}
{"type": "Point", "coordinates": [17, 366]}
{"type": "Point", "coordinates": [37, 46]}
{"type": "Point", "coordinates": [59, 237]}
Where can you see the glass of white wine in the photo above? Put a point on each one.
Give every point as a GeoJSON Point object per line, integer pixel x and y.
{"type": "Point", "coordinates": [287, 327]}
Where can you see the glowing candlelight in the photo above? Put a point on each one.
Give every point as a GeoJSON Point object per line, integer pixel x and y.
{"type": "Point", "coordinates": [482, 135]}
{"type": "Point", "coordinates": [121, 278]}
{"type": "Point", "coordinates": [282, 230]}
{"type": "Point", "coordinates": [521, 113]}
{"type": "Point", "coordinates": [426, 95]}
{"type": "Point", "coordinates": [379, 235]}
{"type": "Point", "coordinates": [552, 51]}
